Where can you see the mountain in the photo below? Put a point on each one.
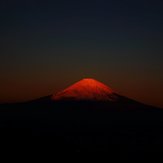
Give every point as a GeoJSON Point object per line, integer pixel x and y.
{"type": "Point", "coordinates": [86, 90]}
{"type": "Point", "coordinates": [91, 90]}
{"type": "Point", "coordinates": [87, 116]}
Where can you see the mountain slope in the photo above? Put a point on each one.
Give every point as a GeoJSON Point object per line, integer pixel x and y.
{"type": "Point", "coordinates": [85, 117]}
{"type": "Point", "coordinates": [87, 90]}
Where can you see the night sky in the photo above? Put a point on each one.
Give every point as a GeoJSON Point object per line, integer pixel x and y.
{"type": "Point", "coordinates": [47, 46]}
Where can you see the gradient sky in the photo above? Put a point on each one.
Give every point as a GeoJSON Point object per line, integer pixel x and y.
{"type": "Point", "coordinates": [47, 46]}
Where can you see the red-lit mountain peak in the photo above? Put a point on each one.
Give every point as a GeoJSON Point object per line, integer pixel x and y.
{"type": "Point", "coordinates": [87, 89]}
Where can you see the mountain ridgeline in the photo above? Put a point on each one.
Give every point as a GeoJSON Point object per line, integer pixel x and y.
{"type": "Point", "coordinates": [87, 116]}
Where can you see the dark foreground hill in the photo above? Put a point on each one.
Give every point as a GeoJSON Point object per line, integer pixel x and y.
{"type": "Point", "coordinates": [83, 126]}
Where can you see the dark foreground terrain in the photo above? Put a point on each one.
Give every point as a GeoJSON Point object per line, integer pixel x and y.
{"type": "Point", "coordinates": [83, 126]}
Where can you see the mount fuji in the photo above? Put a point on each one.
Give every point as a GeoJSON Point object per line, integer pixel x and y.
{"type": "Point", "coordinates": [93, 91]}
{"type": "Point", "coordinates": [86, 116]}
{"type": "Point", "coordinates": [86, 90]}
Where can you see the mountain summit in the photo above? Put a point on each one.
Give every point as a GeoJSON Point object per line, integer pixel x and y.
{"type": "Point", "coordinates": [86, 90]}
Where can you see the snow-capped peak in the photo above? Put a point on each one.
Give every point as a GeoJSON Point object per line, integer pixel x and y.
{"type": "Point", "coordinates": [86, 89]}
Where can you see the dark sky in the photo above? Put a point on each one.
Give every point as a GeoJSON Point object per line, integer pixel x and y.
{"type": "Point", "coordinates": [46, 46]}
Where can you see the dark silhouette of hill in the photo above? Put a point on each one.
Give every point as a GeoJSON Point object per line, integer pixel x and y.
{"type": "Point", "coordinates": [89, 126]}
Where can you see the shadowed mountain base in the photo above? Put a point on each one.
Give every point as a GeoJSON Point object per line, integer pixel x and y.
{"type": "Point", "coordinates": [84, 126]}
